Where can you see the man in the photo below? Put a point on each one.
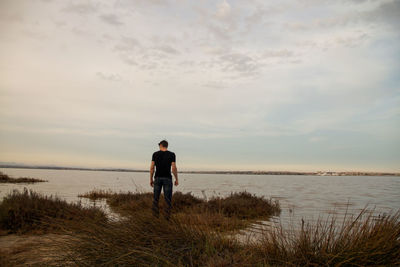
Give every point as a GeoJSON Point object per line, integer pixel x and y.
{"type": "Point", "coordinates": [163, 160]}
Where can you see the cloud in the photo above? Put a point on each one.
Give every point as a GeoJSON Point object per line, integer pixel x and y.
{"type": "Point", "coordinates": [81, 31]}
{"type": "Point", "coordinates": [109, 77]}
{"type": "Point", "coordinates": [261, 13]}
{"type": "Point", "coordinates": [111, 19]}
{"type": "Point", "coordinates": [387, 13]}
{"type": "Point", "coordinates": [167, 49]}
{"type": "Point", "coordinates": [277, 53]}
{"type": "Point", "coordinates": [220, 32]}
{"type": "Point", "coordinates": [218, 85]}
{"type": "Point", "coordinates": [81, 8]}
{"type": "Point", "coordinates": [239, 63]}
{"type": "Point", "coordinates": [223, 10]}
{"type": "Point", "coordinates": [349, 40]}
{"type": "Point", "coordinates": [219, 20]}
{"type": "Point", "coordinates": [133, 4]}
{"type": "Point", "coordinates": [127, 44]}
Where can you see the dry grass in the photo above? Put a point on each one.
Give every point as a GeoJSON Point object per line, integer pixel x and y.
{"type": "Point", "coordinates": [27, 211]}
{"type": "Point", "coordinates": [195, 235]}
{"type": "Point", "coordinates": [218, 213]}
{"type": "Point", "coordinates": [33, 250]}
{"type": "Point", "coordinates": [97, 194]}
{"type": "Point", "coordinates": [362, 240]}
{"type": "Point", "coordinates": [244, 205]}
{"type": "Point", "coordinates": [4, 178]}
{"type": "Point", "coordinates": [143, 240]}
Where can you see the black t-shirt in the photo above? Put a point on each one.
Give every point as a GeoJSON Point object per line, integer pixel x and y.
{"type": "Point", "coordinates": [163, 160]}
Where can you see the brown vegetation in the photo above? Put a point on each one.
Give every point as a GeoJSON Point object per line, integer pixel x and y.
{"type": "Point", "coordinates": [28, 211]}
{"type": "Point", "coordinates": [362, 240]}
{"type": "Point", "coordinates": [4, 178]}
{"type": "Point", "coordinates": [142, 241]}
{"type": "Point", "coordinates": [232, 212]}
{"type": "Point", "coordinates": [192, 238]}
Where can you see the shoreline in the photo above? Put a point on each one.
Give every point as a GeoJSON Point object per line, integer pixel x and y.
{"type": "Point", "coordinates": [317, 173]}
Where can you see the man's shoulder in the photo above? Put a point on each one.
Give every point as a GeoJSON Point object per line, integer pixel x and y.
{"type": "Point", "coordinates": [172, 156]}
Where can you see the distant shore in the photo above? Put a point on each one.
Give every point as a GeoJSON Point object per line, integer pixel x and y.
{"type": "Point", "coordinates": [316, 173]}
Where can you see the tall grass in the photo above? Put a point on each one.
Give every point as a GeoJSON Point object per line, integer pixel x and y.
{"type": "Point", "coordinates": [362, 240]}
{"type": "Point", "coordinates": [25, 211]}
{"type": "Point", "coordinates": [144, 241]}
{"type": "Point", "coordinates": [192, 238]}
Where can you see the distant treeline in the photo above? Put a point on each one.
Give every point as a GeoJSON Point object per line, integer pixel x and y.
{"type": "Point", "coordinates": [318, 173]}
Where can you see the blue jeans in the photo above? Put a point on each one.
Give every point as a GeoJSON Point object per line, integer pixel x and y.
{"type": "Point", "coordinates": [166, 183]}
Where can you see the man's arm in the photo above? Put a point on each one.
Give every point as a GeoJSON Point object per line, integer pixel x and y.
{"type": "Point", "coordinates": [151, 173]}
{"type": "Point", "coordinates": [175, 172]}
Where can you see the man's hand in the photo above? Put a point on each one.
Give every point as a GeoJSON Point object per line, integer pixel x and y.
{"type": "Point", "coordinates": [175, 172]}
{"type": "Point", "coordinates": [152, 173]}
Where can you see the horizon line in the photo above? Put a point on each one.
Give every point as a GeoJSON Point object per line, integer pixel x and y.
{"type": "Point", "coordinates": [59, 167]}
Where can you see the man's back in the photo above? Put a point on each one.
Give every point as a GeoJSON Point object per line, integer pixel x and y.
{"type": "Point", "coordinates": [163, 161]}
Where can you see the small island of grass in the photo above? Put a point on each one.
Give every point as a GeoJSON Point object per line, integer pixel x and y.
{"type": "Point", "coordinates": [4, 178]}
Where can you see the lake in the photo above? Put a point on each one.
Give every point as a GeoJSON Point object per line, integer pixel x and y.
{"type": "Point", "coordinates": [300, 196]}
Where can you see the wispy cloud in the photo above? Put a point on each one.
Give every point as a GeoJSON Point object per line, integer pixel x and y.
{"type": "Point", "coordinates": [81, 8]}
{"type": "Point", "coordinates": [111, 19]}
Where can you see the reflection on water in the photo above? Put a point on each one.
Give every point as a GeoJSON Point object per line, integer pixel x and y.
{"type": "Point", "coordinates": [301, 196]}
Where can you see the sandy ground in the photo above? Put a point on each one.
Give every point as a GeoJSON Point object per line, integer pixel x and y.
{"type": "Point", "coordinates": [33, 250]}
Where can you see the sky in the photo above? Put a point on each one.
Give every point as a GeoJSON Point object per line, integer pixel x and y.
{"type": "Point", "coordinates": [295, 85]}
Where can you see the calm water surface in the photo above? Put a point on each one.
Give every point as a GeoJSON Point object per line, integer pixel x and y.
{"type": "Point", "coordinates": [300, 196]}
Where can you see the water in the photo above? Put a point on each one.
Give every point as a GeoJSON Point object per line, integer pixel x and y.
{"type": "Point", "coordinates": [300, 196]}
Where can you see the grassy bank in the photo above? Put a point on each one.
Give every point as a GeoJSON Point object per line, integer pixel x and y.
{"type": "Point", "coordinates": [4, 178]}
{"type": "Point", "coordinates": [193, 238]}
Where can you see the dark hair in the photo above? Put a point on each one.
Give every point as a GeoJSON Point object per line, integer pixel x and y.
{"type": "Point", "coordinates": [163, 143]}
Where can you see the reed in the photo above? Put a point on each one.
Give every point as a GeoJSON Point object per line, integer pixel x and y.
{"type": "Point", "coordinates": [142, 240]}
{"type": "Point", "coordinates": [25, 211]}
{"type": "Point", "coordinates": [362, 240]}
{"type": "Point", "coordinates": [145, 241]}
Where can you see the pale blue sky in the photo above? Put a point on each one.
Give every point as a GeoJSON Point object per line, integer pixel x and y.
{"type": "Point", "coordinates": [242, 85]}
